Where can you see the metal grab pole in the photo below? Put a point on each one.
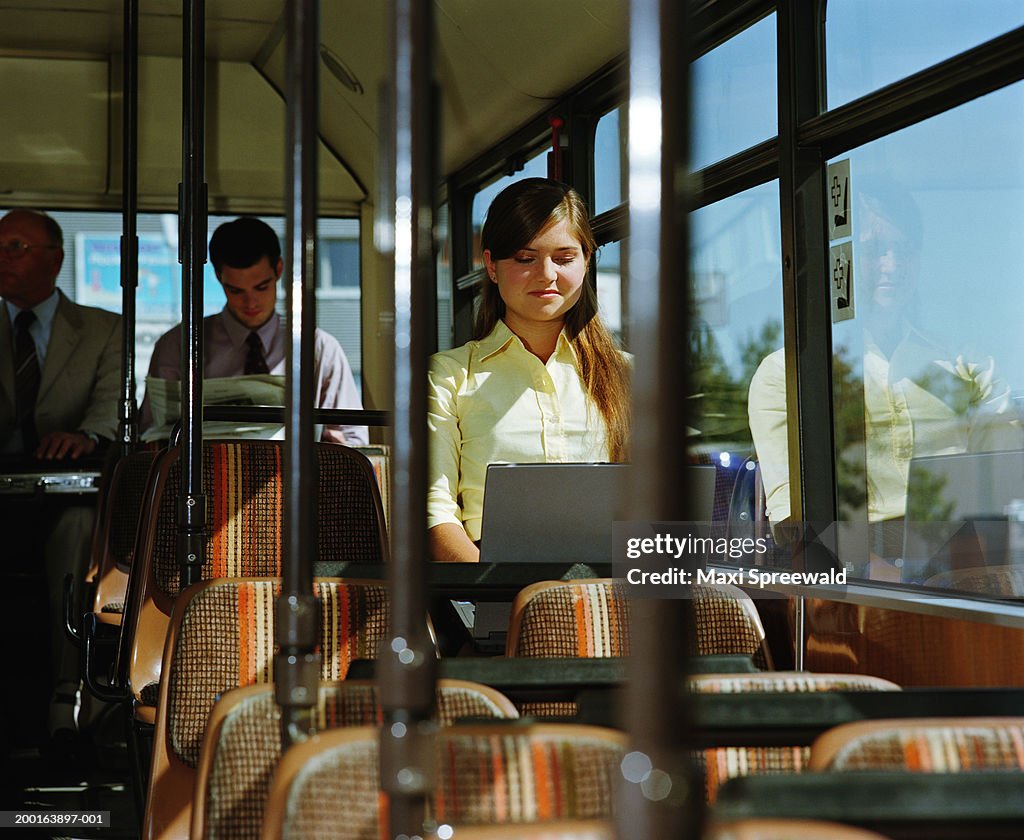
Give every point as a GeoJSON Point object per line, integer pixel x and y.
{"type": "Point", "coordinates": [408, 665]}
{"type": "Point", "coordinates": [192, 256]}
{"type": "Point", "coordinates": [128, 430]}
{"type": "Point", "coordinates": [661, 796]}
{"type": "Point", "coordinates": [297, 661]}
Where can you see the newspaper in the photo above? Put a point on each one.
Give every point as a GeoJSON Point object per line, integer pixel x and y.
{"type": "Point", "coordinates": [165, 403]}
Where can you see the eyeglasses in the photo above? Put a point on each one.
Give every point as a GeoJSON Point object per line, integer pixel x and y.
{"type": "Point", "coordinates": [15, 249]}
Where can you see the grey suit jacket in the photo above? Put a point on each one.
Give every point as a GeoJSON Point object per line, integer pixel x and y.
{"type": "Point", "coordinates": [80, 382]}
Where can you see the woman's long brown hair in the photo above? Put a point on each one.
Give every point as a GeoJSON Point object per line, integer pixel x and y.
{"type": "Point", "coordinates": [516, 216]}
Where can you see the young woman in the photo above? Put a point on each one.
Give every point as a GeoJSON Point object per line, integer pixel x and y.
{"type": "Point", "coordinates": [542, 380]}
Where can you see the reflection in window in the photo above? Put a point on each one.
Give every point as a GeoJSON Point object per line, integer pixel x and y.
{"type": "Point", "coordinates": [926, 375]}
{"type": "Point", "coordinates": [872, 43]}
{"type": "Point", "coordinates": [737, 319]}
{"type": "Point", "coordinates": [535, 167]}
{"type": "Point", "coordinates": [735, 95]}
{"type": "Point", "coordinates": [609, 160]}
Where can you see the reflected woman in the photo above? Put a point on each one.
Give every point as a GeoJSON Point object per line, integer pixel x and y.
{"type": "Point", "coordinates": [541, 381]}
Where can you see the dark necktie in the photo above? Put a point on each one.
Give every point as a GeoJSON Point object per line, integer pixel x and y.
{"type": "Point", "coordinates": [255, 362]}
{"type": "Point", "coordinates": [26, 379]}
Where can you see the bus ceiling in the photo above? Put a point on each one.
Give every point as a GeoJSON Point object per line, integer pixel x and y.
{"type": "Point", "coordinates": [62, 70]}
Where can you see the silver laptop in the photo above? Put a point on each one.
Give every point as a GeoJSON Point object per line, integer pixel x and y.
{"type": "Point", "coordinates": [561, 513]}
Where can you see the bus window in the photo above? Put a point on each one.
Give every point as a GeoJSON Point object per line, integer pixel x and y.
{"type": "Point", "coordinates": [928, 363]}
{"type": "Point", "coordinates": [444, 279]}
{"type": "Point", "coordinates": [737, 321]}
{"type": "Point", "coordinates": [735, 95]}
{"type": "Point", "coordinates": [611, 292]}
{"type": "Point", "coordinates": [535, 167]}
{"type": "Point", "coordinates": [609, 160]}
{"type": "Point", "coordinates": [871, 43]}
{"type": "Point", "coordinates": [92, 265]}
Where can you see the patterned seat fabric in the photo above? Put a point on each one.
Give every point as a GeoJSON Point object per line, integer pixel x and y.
{"type": "Point", "coordinates": [485, 776]}
{"type": "Point", "coordinates": [227, 640]}
{"type": "Point", "coordinates": [247, 747]}
{"type": "Point", "coordinates": [126, 505]}
{"type": "Point", "coordinates": [379, 457]}
{"type": "Point", "coordinates": [723, 763]}
{"type": "Point", "coordinates": [590, 619]}
{"type": "Point", "coordinates": [242, 481]}
{"type": "Point", "coordinates": [923, 746]}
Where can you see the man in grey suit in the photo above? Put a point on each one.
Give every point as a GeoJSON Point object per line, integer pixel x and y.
{"type": "Point", "coordinates": [60, 367]}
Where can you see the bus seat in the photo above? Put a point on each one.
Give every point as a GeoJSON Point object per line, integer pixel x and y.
{"type": "Point", "coordinates": [922, 745]}
{"type": "Point", "coordinates": [781, 829]}
{"type": "Point", "coordinates": [723, 763]}
{"type": "Point", "coordinates": [379, 457]}
{"type": "Point", "coordinates": [590, 619]}
{"type": "Point", "coordinates": [242, 745]}
{"type": "Point", "coordinates": [118, 529]}
{"type": "Point", "coordinates": [244, 517]}
{"type": "Point", "coordinates": [222, 637]}
{"type": "Point", "coordinates": [486, 774]}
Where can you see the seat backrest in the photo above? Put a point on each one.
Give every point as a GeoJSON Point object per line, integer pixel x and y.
{"type": "Point", "coordinates": [242, 745]}
{"type": "Point", "coordinates": [922, 745]}
{"type": "Point", "coordinates": [379, 457]}
{"type": "Point", "coordinates": [118, 528]}
{"type": "Point", "coordinates": [590, 618]}
{"type": "Point", "coordinates": [222, 637]}
{"type": "Point", "coordinates": [723, 763]}
{"type": "Point", "coordinates": [486, 774]}
{"type": "Point", "coordinates": [242, 483]}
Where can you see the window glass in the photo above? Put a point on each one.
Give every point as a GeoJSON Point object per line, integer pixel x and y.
{"type": "Point", "coordinates": [610, 292]}
{"type": "Point", "coordinates": [92, 265]}
{"type": "Point", "coordinates": [872, 43]}
{"type": "Point", "coordinates": [735, 95]}
{"type": "Point", "coordinates": [609, 161]}
{"type": "Point", "coordinates": [535, 167]}
{"type": "Point", "coordinates": [927, 370]}
{"type": "Point", "coordinates": [736, 330]}
{"type": "Point", "coordinates": [445, 323]}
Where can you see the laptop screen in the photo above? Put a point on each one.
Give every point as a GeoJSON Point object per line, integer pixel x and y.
{"type": "Point", "coordinates": [561, 513]}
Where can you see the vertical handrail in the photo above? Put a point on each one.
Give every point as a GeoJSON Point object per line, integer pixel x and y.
{"type": "Point", "coordinates": [192, 256]}
{"type": "Point", "coordinates": [660, 794]}
{"type": "Point", "coordinates": [297, 661]}
{"type": "Point", "coordinates": [807, 302]}
{"type": "Point", "coordinates": [408, 664]}
{"type": "Point", "coordinates": [128, 429]}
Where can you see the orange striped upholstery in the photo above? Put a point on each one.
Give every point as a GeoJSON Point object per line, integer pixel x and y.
{"type": "Point", "coordinates": [226, 640]}
{"type": "Point", "coordinates": [221, 637]}
{"type": "Point", "coordinates": [723, 763]}
{"type": "Point", "coordinates": [243, 744]}
{"type": "Point", "coordinates": [485, 774]}
{"type": "Point", "coordinates": [242, 482]}
{"type": "Point", "coordinates": [925, 745]}
{"type": "Point", "coordinates": [590, 619]}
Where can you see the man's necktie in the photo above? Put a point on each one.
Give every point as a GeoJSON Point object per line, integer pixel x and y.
{"type": "Point", "coordinates": [26, 379]}
{"type": "Point", "coordinates": [255, 361]}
